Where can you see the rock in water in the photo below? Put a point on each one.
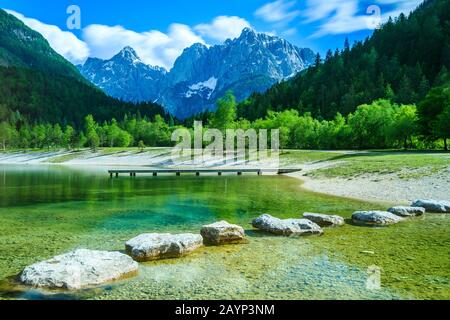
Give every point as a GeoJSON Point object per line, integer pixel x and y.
{"type": "Point", "coordinates": [324, 220]}
{"type": "Point", "coordinates": [79, 269]}
{"type": "Point", "coordinates": [375, 218]}
{"type": "Point", "coordinates": [154, 246]}
{"type": "Point", "coordinates": [433, 206]}
{"type": "Point", "coordinates": [288, 227]}
{"type": "Point", "coordinates": [407, 211]}
{"type": "Point", "coordinates": [221, 233]}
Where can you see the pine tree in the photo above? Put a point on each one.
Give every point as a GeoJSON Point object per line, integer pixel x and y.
{"type": "Point", "coordinates": [346, 45]}
{"type": "Point", "coordinates": [405, 91]}
{"type": "Point", "coordinates": [389, 93]}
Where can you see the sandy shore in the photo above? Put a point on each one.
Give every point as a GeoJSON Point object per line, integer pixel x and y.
{"type": "Point", "coordinates": [380, 188]}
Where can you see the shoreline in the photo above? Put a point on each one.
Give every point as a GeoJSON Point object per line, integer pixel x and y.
{"type": "Point", "coordinates": [377, 188]}
{"type": "Point", "coordinates": [316, 186]}
{"type": "Point", "coordinates": [369, 187]}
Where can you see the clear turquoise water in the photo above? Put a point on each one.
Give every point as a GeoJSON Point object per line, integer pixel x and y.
{"type": "Point", "coordinates": [45, 211]}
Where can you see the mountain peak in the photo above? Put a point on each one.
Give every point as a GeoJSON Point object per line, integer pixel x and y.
{"type": "Point", "coordinates": [128, 53]}
{"type": "Point", "coordinates": [248, 33]}
{"type": "Point", "coordinates": [196, 47]}
{"type": "Point", "coordinates": [248, 30]}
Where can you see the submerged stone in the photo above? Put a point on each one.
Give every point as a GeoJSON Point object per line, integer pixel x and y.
{"type": "Point", "coordinates": [407, 211]}
{"type": "Point", "coordinates": [287, 227]}
{"type": "Point", "coordinates": [433, 206]}
{"type": "Point", "coordinates": [154, 246]}
{"type": "Point", "coordinates": [375, 218]}
{"type": "Point", "coordinates": [324, 220]}
{"type": "Point", "coordinates": [222, 232]}
{"type": "Point", "coordinates": [79, 269]}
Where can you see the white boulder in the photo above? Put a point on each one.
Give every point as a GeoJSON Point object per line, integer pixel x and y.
{"type": "Point", "coordinates": [407, 211]}
{"type": "Point", "coordinates": [433, 206]}
{"type": "Point", "coordinates": [287, 227]}
{"type": "Point", "coordinates": [375, 218]}
{"type": "Point", "coordinates": [155, 246]}
{"type": "Point", "coordinates": [79, 269]}
{"type": "Point", "coordinates": [324, 220]}
{"type": "Point", "coordinates": [222, 232]}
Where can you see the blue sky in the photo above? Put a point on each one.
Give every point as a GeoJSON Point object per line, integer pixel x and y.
{"type": "Point", "coordinates": [160, 30]}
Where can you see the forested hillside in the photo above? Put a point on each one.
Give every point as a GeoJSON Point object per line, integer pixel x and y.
{"type": "Point", "coordinates": [401, 62]}
{"type": "Point", "coordinates": [37, 85]}
{"type": "Point", "coordinates": [42, 98]}
{"type": "Point", "coordinates": [21, 46]}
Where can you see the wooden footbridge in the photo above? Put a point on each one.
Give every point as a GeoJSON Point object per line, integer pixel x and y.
{"type": "Point", "coordinates": [197, 172]}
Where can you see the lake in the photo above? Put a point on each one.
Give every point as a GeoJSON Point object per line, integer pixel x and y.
{"type": "Point", "coordinates": [50, 210]}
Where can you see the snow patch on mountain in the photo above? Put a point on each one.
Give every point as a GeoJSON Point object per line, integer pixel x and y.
{"type": "Point", "coordinates": [200, 87]}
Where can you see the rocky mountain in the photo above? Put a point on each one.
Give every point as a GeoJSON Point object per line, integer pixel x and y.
{"type": "Point", "coordinates": [125, 76]}
{"type": "Point", "coordinates": [250, 63]}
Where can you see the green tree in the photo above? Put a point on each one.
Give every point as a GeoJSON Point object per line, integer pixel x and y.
{"type": "Point", "coordinates": [371, 124]}
{"type": "Point", "coordinates": [24, 139]}
{"type": "Point", "coordinates": [405, 91]}
{"type": "Point", "coordinates": [38, 136]}
{"type": "Point", "coordinates": [92, 138]}
{"type": "Point", "coordinates": [7, 134]}
{"type": "Point", "coordinates": [432, 114]}
{"type": "Point", "coordinates": [123, 139]}
{"type": "Point", "coordinates": [80, 140]}
{"type": "Point", "coordinates": [141, 145]}
{"type": "Point", "coordinates": [442, 126]}
{"type": "Point", "coordinates": [225, 114]}
{"type": "Point", "coordinates": [69, 137]}
{"type": "Point", "coordinates": [57, 136]}
{"type": "Point", "coordinates": [112, 133]}
{"type": "Point", "coordinates": [389, 93]}
{"type": "Point", "coordinates": [404, 125]}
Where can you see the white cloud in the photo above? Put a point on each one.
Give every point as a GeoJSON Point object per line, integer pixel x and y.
{"type": "Point", "coordinates": [343, 16]}
{"type": "Point", "coordinates": [289, 32]}
{"type": "Point", "coordinates": [321, 9]}
{"type": "Point", "coordinates": [401, 6]}
{"type": "Point", "coordinates": [340, 15]}
{"type": "Point", "coordinates": [278, 11]}
{"type": "Point", "coordinates": [63, 42]}
{"type": "Point", "coordinates": [223, 28]}
{"type": "Point", "coordinates": [154, 47]}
